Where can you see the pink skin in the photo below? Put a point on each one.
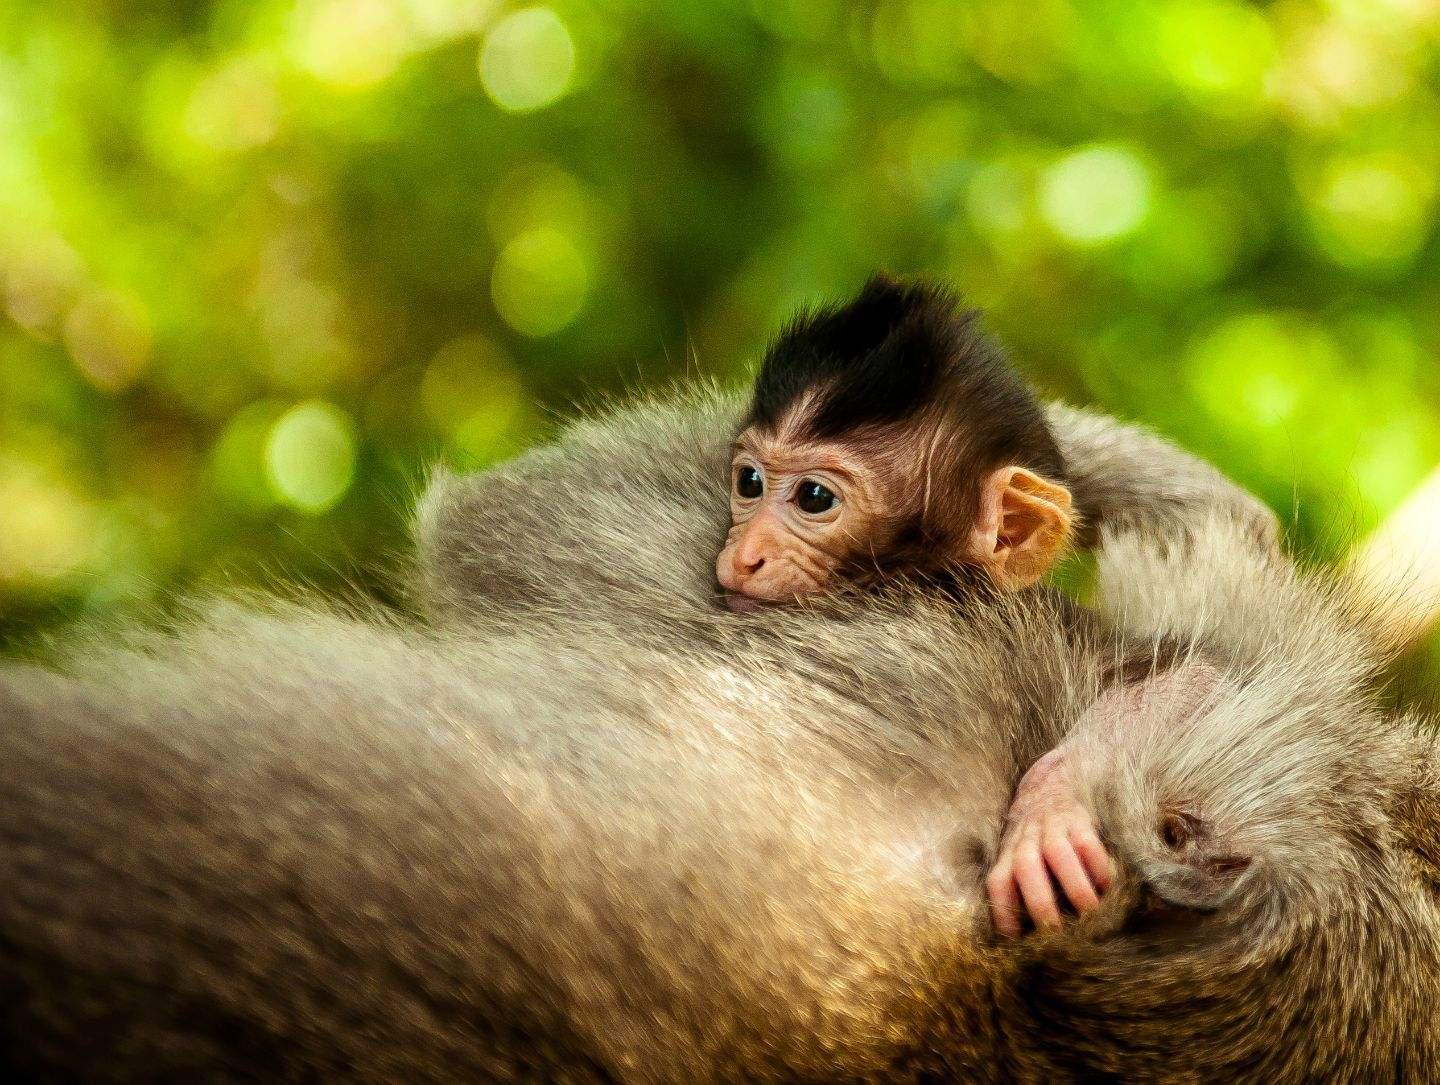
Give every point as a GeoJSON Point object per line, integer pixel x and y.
{"type": "Point", "coordinates": [1021, 527]}
{"type": "Point", "coordinates": [776, 552]}
{"type": "Point", "coordinates": [1050, 838]}
{"type": "Point", "coordinates": [1048, 834]}
{"type": "Point", "coordinates": [743, 604]}
{"type": "Point", "coordinates": [773, 555]}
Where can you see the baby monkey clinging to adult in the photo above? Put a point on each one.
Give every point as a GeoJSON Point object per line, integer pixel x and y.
{"type": "Point", "coordinates": [889, 436]}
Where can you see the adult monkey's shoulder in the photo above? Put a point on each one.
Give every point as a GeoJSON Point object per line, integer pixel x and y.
{"type": "Point", "coordinates": [617, 516]}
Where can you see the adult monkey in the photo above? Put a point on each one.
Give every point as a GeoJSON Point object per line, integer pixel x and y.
{"type": "Point", "coordinates": [592, 827]}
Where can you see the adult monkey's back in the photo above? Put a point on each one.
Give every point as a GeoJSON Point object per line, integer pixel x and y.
{"type": "Point", "coordinates": [594, 827]}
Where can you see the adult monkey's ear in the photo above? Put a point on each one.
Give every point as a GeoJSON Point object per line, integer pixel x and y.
{"type": "Point", "coordinates": [1022, 526]}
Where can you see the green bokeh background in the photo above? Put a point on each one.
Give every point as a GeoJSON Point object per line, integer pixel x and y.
{"type": "Point", "coordinates": [262, 261]}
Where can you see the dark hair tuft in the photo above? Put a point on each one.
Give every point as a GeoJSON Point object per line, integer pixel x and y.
{"type": "Point", "coordinates": [898, 347]}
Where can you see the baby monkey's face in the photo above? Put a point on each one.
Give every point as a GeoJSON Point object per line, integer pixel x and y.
{"type": "Point", "coordinates": [804, 513]}
{"type": "Point", "coordinates": [799, 514]}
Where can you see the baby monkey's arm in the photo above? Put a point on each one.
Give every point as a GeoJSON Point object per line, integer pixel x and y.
{"type": "Point", "coordinates": [1051, 839]}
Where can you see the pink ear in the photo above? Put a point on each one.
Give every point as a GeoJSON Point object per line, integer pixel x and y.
{"type": "Point", "coordinates": [1022, 526]}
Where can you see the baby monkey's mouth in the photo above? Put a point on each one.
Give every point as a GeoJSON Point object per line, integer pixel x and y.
{"type": "Point", "coordinates": [747, 604]}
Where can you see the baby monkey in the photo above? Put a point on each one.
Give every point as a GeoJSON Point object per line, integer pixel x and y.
{"type": "Point", "coordinates": [889, 436]}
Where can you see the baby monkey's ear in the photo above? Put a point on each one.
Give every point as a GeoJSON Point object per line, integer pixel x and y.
{"type": "Point", "coordinates": [1022, 526]}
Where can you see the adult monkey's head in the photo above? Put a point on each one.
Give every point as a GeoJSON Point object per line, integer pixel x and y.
{"type": "Point", "coordinates": [888, 435]}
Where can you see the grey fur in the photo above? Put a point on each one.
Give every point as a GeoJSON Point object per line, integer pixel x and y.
{"type": "Point", "coordinates": [584, 824]}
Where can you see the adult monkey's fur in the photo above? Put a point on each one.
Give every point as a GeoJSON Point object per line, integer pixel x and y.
{"type": "Point", "coordinates": [587, 825]}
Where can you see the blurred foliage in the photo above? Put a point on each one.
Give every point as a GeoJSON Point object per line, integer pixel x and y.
{"type": "Point", "coordinates": [261, 261]}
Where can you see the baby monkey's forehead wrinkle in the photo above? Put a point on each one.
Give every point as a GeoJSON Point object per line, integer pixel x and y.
{"type": "Point", "coordinates": [890, 445]}
{"type": "Point", "coordinates": [776, 453]}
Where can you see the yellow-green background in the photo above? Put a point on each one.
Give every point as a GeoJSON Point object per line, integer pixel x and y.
{"type": "Point", "coordinates": [263, 260]}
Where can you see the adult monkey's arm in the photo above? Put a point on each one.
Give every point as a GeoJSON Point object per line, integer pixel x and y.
{"type": "Point", "coordinates": [1141, 498]}
{"type": "Point", "coordinates": [1258, 696]}
{"type": "Point", "coordinates": [1126, 478]}
{"type": "Point", "coordinates": [1187, 554]}
{"type": "Point", "coordinates": [1261, 811]}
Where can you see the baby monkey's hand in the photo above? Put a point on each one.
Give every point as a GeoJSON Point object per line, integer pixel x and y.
{"type": "Point", "coordinates": [1047, 834]}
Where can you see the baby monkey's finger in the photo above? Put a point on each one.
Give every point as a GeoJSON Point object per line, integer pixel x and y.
{"type": "Point", "coordinates": [1035, 886]}
{"type": "Point", "coordinates": [1004, 897]}
{"type": "Point", "coordinates": [1060, 857]}
{"type": "Point", "coordinates": [1093, 854]}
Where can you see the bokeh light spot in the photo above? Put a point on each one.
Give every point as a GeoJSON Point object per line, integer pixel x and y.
{"type": "Point", "coordinates": [1019, 43]}
{"type": "Point", "coordinates": [540, 282]}
{"type": "Point", "coordinates": [1218, 52]}
{"type": "Point", "coordinates": [39, 279]}
{"type": "Point", "coordinates": [47, 531]}
{"type": "Point", "coordinates": [535, 194]}
{"type": "Point", "coordinates": [527, 60]}
{"type": "Point", "coordinates": [350, 44]}
{"type": "Point", "coordinates": [1372, 209]}
{"type": "Point", "coordinates": [1334, 69]}
{"type": "Point", "coordinates": [108, 335]}
{"type": "Point", "coordinates": [1257, 370]}
{"type": "Point", "coordinates": [467, 377]}
{"type": "Point", "coordinates": [474, 395]}
{"type": "Point", "coordinates": [495, 432]}
{"type": "Point", "coordinates": [310, 456]}
{"type": "Point", "coordinates": [235, 108]}
{"type": "Point", "coordinates": [439, 20]}
{"type": "Point", "coordinates": [237, 459]}
{"type": "Point", "coordinates": [1095, 195]}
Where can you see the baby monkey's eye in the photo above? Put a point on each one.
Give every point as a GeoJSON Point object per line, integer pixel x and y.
{"type": "Point", "coordinates": [814, 498]}
{"type": "Point", "coordinates": [748, 482]}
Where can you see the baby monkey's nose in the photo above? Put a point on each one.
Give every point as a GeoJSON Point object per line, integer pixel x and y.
{"type": "Point", "coordinates": [750, 555]}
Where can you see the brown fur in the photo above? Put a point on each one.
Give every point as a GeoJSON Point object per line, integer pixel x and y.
{"type": "Point", "coordinates": [584, 824]}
